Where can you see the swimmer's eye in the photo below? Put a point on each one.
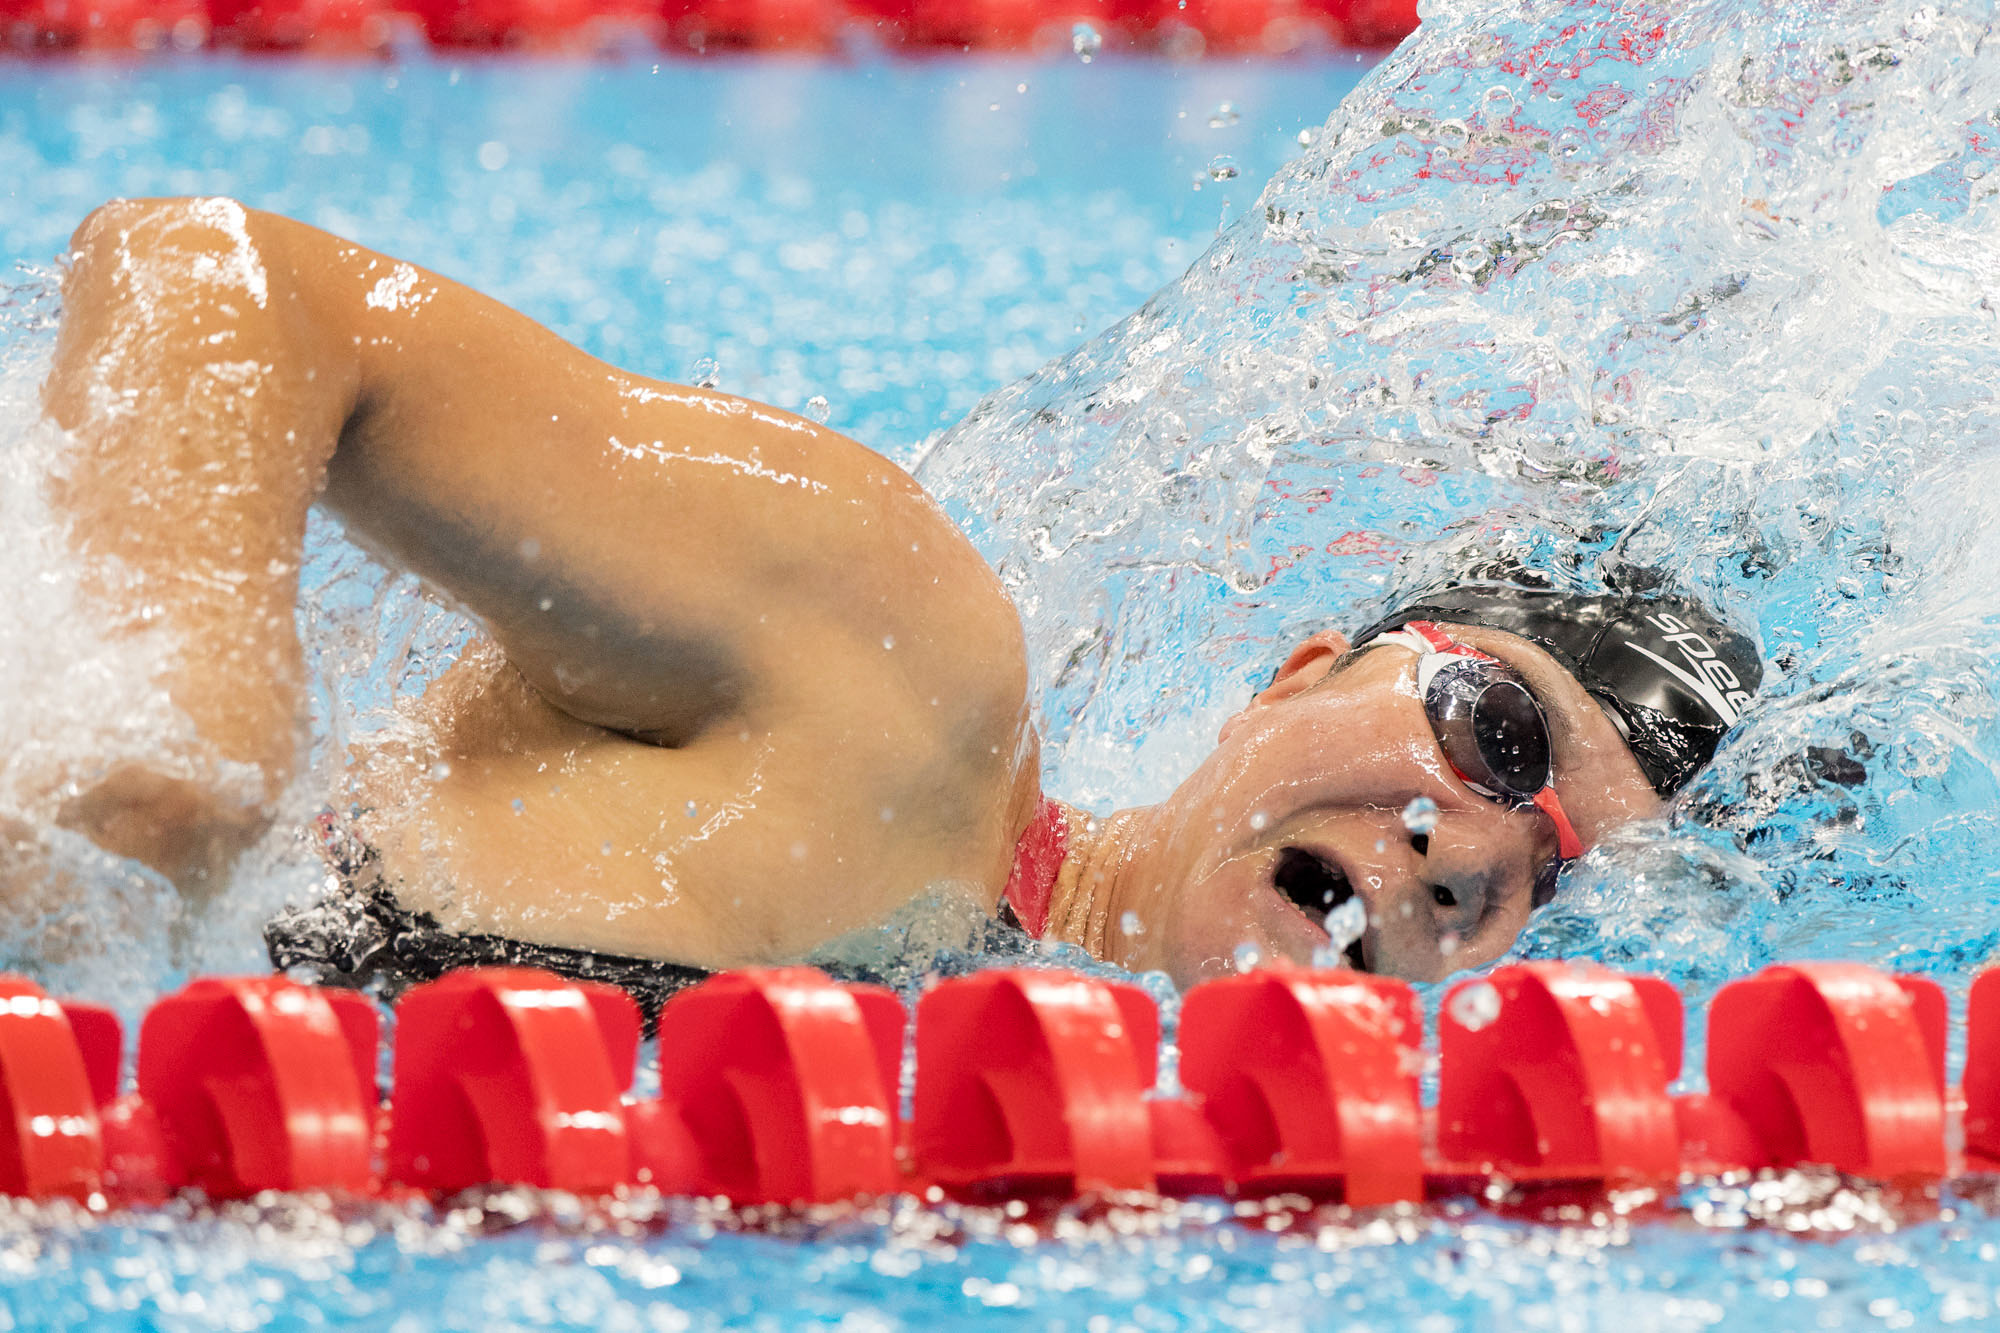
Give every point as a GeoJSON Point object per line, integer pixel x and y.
{"type": "Point", "coordinates": [1312, 882]}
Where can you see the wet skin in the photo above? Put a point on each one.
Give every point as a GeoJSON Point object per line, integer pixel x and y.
{"type": "Point", "coordinates": [744, 688]}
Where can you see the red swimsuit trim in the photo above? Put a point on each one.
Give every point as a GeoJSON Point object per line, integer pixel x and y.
{"type": "Point", "coordinates": [1038, 858]}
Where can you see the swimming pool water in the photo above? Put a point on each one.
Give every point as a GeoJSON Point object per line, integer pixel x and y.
{"type": "Point", "coordinates": [1704, 288]}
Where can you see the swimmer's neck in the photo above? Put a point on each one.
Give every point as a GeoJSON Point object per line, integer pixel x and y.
{"type": "Point", "coordinates": [1098, 884]}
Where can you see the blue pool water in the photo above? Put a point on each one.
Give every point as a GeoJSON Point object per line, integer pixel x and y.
{"type": "Point", "coordinates": [1727, 313]}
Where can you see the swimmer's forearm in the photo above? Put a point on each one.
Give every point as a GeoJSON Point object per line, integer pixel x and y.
{"type": "Point", "coordinates": [204, 406]}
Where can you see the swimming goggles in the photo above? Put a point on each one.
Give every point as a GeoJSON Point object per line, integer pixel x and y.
{"type": "Point", "coordinates": [1488, 723]}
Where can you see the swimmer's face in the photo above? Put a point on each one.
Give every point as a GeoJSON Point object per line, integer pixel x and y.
{"type": "Point", "coordinates": [1303, 800]}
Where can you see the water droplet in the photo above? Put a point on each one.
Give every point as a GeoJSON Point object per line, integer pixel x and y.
{"type": "Point", "coordinates": [1086, 41]}
{"type": "Point", "coordinates": [798, 851]}
{"type": "Point", "coordinates": [888, 813]}
{"type": "Point", "coordinates": [519, 805]}
{"type": "Point", "coordinates": [692, 809]}
{"type": "Point", "coordinates": [1346, 923]}
{"type": "Point", "coordinates": [547, 603]}
{"type": "Point", "coordinates": [705, 373]}
{"type": "Point", "coordinates": [888, 642]}
{"type": "Point", "coordinates": [1260, 821]}
{"type": "Point", "coordinates": [818, 409]}
{"type": "Point", "coordinates": [1474, 1006]}
{"type": "Point", "coordinates": [1223, 168]}
{"type": "Point", "coordinates": [604, 848]}
{"type": "Point", "coordinates": [1247, 957]}
{"type": "Point", "coordinates": [1448, 944]}
{"type": "Point", "coordinates": [1305, 138]}
{"type": "Point", "coordinates": [492, 155]}
{"type": "Point", "coordinates": [1420, 816]}
{"type": "Point", "coordinates": [440, 771]}
{"type": "Point", "coordinates": [1131, 924]}
{"type": "Point", "coordinates": [1225, 114]}
{"type": "Point", "coordinates": [530, 549]}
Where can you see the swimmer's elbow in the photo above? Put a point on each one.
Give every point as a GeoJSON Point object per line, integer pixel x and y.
{"type": "Point", "coordinates": [122, 230]}
{"type": "Point", "coordinates": [190, 831]}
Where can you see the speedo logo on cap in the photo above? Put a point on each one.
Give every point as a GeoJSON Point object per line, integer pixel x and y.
{"type": "Point", "coordinates": [1701, 669]}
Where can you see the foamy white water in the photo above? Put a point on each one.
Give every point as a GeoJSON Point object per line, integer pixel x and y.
{"type": "Point", "coordinates": [1703, 292]}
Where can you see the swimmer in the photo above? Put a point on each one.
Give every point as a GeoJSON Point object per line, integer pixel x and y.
{"type": "Point", "coordinates": [742, 688]}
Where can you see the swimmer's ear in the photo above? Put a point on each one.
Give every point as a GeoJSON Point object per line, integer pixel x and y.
{"type": "Point", "coordinates": [1306, 666]}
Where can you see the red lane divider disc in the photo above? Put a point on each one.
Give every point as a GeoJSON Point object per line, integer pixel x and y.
{"type": "Point", "coordinates": [1031, 1081]}
{"type": "Point", "coordinates": [1556, 1071]}
{"type": "Point", "coordinates": [50, 1141]}
{"type": "Point", "coordinates": [776, 1086]}
{"type": "Point", "coordinates": [1310, 1081]}
{"type": "Point", "coordinates": [1982, 1075]}
{"type": "Point", "coordinates": [256, 1088]}
{"type": "Point", "coordinates": [503, 1075]}
{"type": "Point", "coordinates": [1835, 1064]}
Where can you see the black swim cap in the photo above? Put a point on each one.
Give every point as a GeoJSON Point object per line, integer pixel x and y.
{"type": "Point", "coordinates": [1672, 677]}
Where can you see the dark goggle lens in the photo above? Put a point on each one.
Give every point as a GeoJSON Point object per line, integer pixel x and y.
{"type": "Point", "coordinates": [1491, 728]}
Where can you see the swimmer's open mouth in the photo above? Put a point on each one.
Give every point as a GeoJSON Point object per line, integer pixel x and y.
{"type": "Point", "coordinates": [1316, 886]}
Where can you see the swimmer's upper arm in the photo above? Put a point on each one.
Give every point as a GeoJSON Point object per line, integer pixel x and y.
{"type": "Point", "coordinates": [649, 555]}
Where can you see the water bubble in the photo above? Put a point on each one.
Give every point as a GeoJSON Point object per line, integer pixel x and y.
{"type": "Point", "coordinates": [1260, 821]}
{"type": "Point", "coordinates": [692, 809]}
{"type": "Point", "coordinates": [1474, 1006]}
{"type": "Point", "coordinates": [1224, 114]}
{"type": "Point", "coordinates": [492, 155]}
{"type": "Point", "coordinates": [1346, 923]}
{"type": "Point", "coordinates": [1223, 168]}
{"type": "Point", "coordinates": [798, 851]}
{"type": "Point", "coordinates": [818, 409]}
{"type": "Point", "coordinates": [1247, 957]}
{"type": "Point", "coordinates": [887, 814]}
{"type": "Point", "coordinates": [1131, 925]}
{"type": "Point", "coordinates": [1305, 138]}
{"type": "Point", "coordinates": [1086, 41]}
{"type": "Point", "coordinates": [440, 771]}
{"type": "Point", "coordinates": [888, 642]}
{"type": "Point", "coordinates": [705, 373]}
{"type": "Point", "coordinates": [519, 805]}
{"type": "Point", "coordinates": [1420, 816]}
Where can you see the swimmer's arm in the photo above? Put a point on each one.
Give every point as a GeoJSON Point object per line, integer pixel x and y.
{"type": "Point", "coordinates": [204, 404]}
{"type": "Point", "coordinates": [652, 558]}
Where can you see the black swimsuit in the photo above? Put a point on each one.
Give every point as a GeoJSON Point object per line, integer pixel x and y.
{"type": "Point", "coordinates": [360, 936]}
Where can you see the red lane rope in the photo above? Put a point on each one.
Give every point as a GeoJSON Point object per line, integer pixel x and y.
{"type": "Point", "coordinates": [782, 1086]}
{"type": "Point", "coordinates": [345, 27]}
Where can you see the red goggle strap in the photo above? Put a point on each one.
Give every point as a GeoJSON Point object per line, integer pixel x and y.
{"type": "Point", "coordinates": [1568, 845]}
